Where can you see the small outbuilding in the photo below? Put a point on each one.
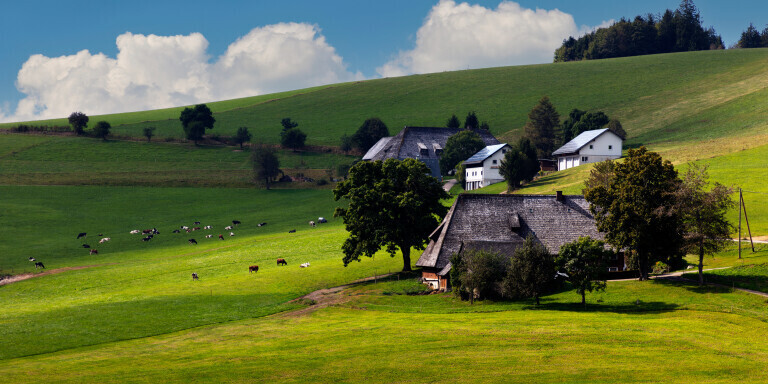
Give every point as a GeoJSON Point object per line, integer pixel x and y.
{"type": "Point", "coordinates": [482, 169]}
{"type": "Point", "coordinates": [589, 147]}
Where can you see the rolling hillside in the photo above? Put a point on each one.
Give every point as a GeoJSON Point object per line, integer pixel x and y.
{"type": "Point", "coordinates": [681, 97]}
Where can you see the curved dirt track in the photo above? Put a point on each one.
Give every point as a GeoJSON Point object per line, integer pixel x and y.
{"type": "Point", "coordinates": [26, 276]}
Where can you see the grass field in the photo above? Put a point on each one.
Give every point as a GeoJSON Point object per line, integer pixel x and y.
{"type": "Point", "coordinates": [132, 313]}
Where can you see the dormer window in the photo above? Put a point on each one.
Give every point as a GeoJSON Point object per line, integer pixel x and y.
{"type": "Point", "coordinates": [437, 148]}
{"type": "Point", "coordinates": [423, 151]}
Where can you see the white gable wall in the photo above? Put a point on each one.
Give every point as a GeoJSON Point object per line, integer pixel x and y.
{"type": "Point", "coordinates": [604, 147]}
{"type": "Point", "coordinates": [478, 177]}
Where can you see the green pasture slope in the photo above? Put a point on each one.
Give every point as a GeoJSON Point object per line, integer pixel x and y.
{"type": "Point", "coordinates": [681, 97]}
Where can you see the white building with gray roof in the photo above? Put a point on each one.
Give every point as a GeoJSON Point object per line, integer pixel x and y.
{"type": "Point", "coordinates": [589, 147]}
{"type": "Point", "coordinates": [482, 169]}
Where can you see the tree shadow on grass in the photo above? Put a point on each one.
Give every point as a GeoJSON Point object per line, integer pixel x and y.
{"type": "Point", "coordinates": [548, 180]}
{"type": "Point", "coordinates": [693, 285]}
{"type": "Point", "coordinates": [638, 306]}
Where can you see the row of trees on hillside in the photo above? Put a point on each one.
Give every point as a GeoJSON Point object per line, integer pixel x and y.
{"type": "Point", "coordinates": [674, 31]}
{"type": "Point", "coordinates": [752, 38]}
{"type": "Point", "coordinates": [470, 122]}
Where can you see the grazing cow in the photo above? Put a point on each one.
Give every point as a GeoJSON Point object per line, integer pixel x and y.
{"type": "Point", "coordinates": [176, 231]}
{"type": "Point", "coordinates": [184, 227]}
{"type": "Point", "coordinates": [235, 222]}
{"type": "Point", "coordinates": [207, 227]}
{"type": "Point", "coordinates": [93, 252]}
{"type": "Point", "coordinates": [312, 224]}
{"type": "Point", "coordinates": [208, 236]}
{"type": "Point", "coordinates": [228, 227]}
{"type": "Point", "coordinates": [192, 241]}
{"type": "Point", "coordinates": [100, 235]}
{"type": "Point", "coordinates": [196, 228]}
{"type": "Point", "coordinates": [197, 223]}
{"type": "Point", "coordinates": [155, 231]}
{"type": "Point", "coordinates": [39, 265]}
{"type": "Point", "coordinates": [282, 262]}
{"type": "Point", "coordinates": [221, 237]}
{"type": "Point", "coordinates": [146, 231]}
{"type": "Point", "coordinates": [231, 233]}
{"type": "Point", "coordinates": [135, 231]}
{"type": "Point", "coordinates": [304, 265]}
{"type": "Point", "coordinates": [292, 231]}
{"type": "Point", "coordinates": [253, 268]}
{"type": "Point", "coordinates": [31, 258]}
{"type": "Point", "coordinates": [104, 240]}
{"type": "Point", "coordinates": [262, 224]}
{"type": "Point", "coordinates": [194, 276]}
{"type": "Point", "coordinates": [321, 220]}
{"type": "Point", "coordinates": [148, 238]}
{"type": "Point", "coordinates": [86, 246]}
{"type": "Point", "coordinates": [81, 234]}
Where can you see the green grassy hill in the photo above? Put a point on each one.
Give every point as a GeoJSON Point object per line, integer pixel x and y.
{"type": "Point", "coordinates": [682, 97]}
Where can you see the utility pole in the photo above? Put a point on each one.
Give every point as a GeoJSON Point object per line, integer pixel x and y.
{"type": "Point", "coordinates": [739, 223]}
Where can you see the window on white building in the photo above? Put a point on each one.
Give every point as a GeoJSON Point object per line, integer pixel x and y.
{"type": "Point", "coordinates": [584, 158]}
{"type": "Point", "coordinates": [610, 147]}
{"type": "Point", "coordinates": [494, 161]}
{"type": "Point", "coordinates": [590, 146]}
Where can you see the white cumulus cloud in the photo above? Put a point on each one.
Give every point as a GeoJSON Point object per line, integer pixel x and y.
{"type": "Point", "coordinates": [460, 36]}
{"type": "Point", "coordinates": [152, 72]}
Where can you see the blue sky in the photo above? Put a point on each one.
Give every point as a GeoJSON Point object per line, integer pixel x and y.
{"type": "Point", "coordinates": [347, 40]}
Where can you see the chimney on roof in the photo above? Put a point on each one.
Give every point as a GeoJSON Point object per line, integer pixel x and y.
{"type": "Point", "coordinates": [559, 197]}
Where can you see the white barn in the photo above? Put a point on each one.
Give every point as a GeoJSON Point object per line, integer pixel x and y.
{"type": "Point", "coordinates": [482, 169]}
{"type": "Point", "coordinates": [588, 147]}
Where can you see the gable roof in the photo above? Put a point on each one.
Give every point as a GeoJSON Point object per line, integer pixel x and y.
{"type": "Point", "coordinates": [580, 141]}
{"type": "Point", "coordinates": [484, 153]}
{"type": "Point", "coordinates": [406, 144]}
{"type": "Point", "coordinates": [500, 223]}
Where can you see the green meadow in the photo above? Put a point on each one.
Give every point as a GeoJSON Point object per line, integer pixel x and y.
{"type": "Point", "coordinates": [132, 313]}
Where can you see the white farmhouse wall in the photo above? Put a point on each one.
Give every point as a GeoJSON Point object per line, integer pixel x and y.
{"type": "Point", "coordinates": [604, 147]}
{"type": "Point", "coordinates": [478, 177]}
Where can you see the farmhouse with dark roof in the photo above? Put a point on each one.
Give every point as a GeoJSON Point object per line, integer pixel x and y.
{"type": "Point", "coordinates": [421, 143]}
{"type": "Point", "coordinates": [500, 223]}
{"type": "Point", "coordinates": [589, 147]}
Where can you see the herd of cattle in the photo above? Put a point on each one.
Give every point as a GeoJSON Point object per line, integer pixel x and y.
{"type": "Point", "coordinates": [149, 234]}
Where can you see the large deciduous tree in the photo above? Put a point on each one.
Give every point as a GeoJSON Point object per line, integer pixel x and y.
{"type": "Point", "coordinates": [78, 121]}
{"type": "Point", "coordinates": [196, 120]}
{"type": "Point", "coordinates": [266, 166]}
{"type": "Point", "coordinates": [372, 130]}
{"type": "Point", "coordinates": [148, 133]}
{"type": "Point", "coordinates": [703, 212]}
{"type": "Point", "coordinates": [541, 126]}
{"type": "Point", "coordinates": [632, 207]}
{"type": "Point", "coordinates": [477, 273]}
{"type": "Point", "coordinates": [393, 204]}
{"type": "Point", "coordinates": [293, 138]}
{"type": "Point", "coordinates": [584, 261]}
{"type": "Point", "coordinates": [459, 147]}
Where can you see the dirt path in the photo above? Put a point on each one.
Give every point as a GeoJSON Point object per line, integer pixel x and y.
{"type": "Point", "coordinates": [449, 184]}
{"type": "Point", "coordinates": [678, 276]}
{"type": "Point", "coordinates": [327, 297]}
{"type": "Point", "coordinates": [25, 276]}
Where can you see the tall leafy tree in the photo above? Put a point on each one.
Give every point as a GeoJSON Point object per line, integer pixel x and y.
{"type": "Point", "coordinates": [149, 132]}
{"type": "Point", "coordinates": [266, 166]}
{"type": "Point", "coordinates": [703, 210]}
{"type": "Point", "coordinates": [543, 121]}
{"type": "Point", "coordinates": [531, 271]}
{"type": "Point", "coordinates": [471, 122]}
{"type": "Point", "coordinates": [287, 124]}
{"type": "Point", "coordinates": [519, 164]}
{"type": "Point", "coordinates": [459, 147]}
{"type": "Point", "coordinates": [78, 121]}
{"type": "Point", "coordinates": [453, 122]}
{"type": "Point", "coordinates": [345, 143]}
{"type": "Point", "coordinates": [372, 130]}
{"type": "Point", "coordinates": [393, 204]}
{"type": "Point", "coordinates": [629, 206]}
{"type": "Point", "coordinates": [584, 261]}
{"type": "Point", "coordinates": [196, 120]}
{"type": "Point", "coordinates": [242, 136]}
{"type": "Point", "coordinates": [102, 129]}
{"type": "Point", "coordinates": [293, 138]}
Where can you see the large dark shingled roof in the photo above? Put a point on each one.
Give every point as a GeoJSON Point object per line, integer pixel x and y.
{"type": "Point", "coordinates": [404, 145]}
{"type": "Point", "coordinates": [500, 223]}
